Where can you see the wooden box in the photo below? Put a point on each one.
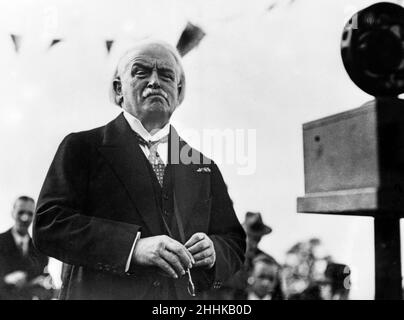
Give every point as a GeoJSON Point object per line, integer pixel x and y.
{"type": "Point", "coordinates": [354, 161]}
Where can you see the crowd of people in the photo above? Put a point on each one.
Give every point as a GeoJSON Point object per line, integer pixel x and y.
{"type": "Point", "coordinates": [307, 273]}
{"type": "Point", "coordinates": [23, 269]}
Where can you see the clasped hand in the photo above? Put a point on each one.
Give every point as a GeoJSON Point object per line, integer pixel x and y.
{"type": "Point", "coordinates": [173, 257]}
{"type": "Point", "coordinates": [17, 278]}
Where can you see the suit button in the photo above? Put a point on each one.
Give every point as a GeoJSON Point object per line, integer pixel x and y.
{"type": "Point", "coordinates": [165, 196]}
{"type": "Point", "coordinates": [156, 283]}
{"type": "Point", "coordinates": [166, 212]}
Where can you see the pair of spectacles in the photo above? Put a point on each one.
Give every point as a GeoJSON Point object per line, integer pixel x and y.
{"type": "Point", "coordinates": [191, 286]}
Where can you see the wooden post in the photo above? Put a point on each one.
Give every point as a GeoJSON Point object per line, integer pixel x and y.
{"type": "Point", "coordinates": [388, 261]}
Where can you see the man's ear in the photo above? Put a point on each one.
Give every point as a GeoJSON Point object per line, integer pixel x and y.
{"type": "Point", "coordinates": [117, 87]}
{"type": "Point", "coordinates": [179, 88]}
{"type": "Point", "coordinates": [250, 280]}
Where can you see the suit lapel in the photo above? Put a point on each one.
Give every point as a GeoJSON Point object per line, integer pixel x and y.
{"type": "Point", "coordinates": [13, 249]}
{"type": "Point", "coordinates": [11, 245]}
{"type": "Point", "coordinates": [120, 148]}
{"type": "Point", "coordinates": [186, 187]}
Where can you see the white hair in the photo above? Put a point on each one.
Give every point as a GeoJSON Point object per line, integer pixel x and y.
{"type": "Point", "coordinates": [126, 57]}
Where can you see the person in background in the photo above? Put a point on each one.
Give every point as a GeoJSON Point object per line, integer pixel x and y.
{"type": "Point", "coordinates": [264, 282]}
{"type": "Point", "coordinates": [332, 284]}
{"type": "Point", "coordinates": [22, 275]}
{"type": "Point", "coordinates": [236, 287]}
{"type": "Point", "coordinates": [255, 229]}
{"type": "Point", "coordinates": [304, 265]}
{"type": "Point", "coordinates": [336, 283]}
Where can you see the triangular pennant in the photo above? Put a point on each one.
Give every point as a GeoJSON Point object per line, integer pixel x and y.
{"type": "Point", "coordinates": [16, 41]}
{"type": "Point", "coordinates": [189, 39]}
{"type": "Point", "coordinates": [108, 44]}
{"type": "Point", "coordinates": [272, 6]}
{"type": "Point", "coordinates": [54, 41]}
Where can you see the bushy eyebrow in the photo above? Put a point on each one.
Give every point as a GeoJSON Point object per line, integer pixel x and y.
{"type": "Point", "coordinates": [143, 65]}
{"type": "Point", "coordinates": [146, 65]}
{"type": "Point", "coordinates": [25, 211]}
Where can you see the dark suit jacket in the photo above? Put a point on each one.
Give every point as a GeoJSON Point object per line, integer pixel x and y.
{"type": "Point", "coordinates": [12, 259]}
{"type": "Point", "coordinates": [98, 194]}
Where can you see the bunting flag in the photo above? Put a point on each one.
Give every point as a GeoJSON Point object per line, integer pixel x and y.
{"type": "Point", "coordinates": [189, 39]}
{"type": "Point", "coordinates": [54, 41]}
{"type": "Point", "coordinates": [16, 41]}
{"type": "Point", "coordinates": [271, 7]}
{"type": "Point", "coordinates": [108, 44]}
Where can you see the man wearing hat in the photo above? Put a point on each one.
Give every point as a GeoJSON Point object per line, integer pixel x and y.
{"type": "Point", "coordinates": [236, 287]}
{"type": "Point", "coordinates": [255, 229]}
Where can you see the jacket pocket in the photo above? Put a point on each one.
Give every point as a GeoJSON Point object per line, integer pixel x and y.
{"type": "Point", "coordinates": [201, 216]}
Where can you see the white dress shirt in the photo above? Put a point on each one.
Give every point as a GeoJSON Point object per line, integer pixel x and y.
{"type": "Point", "coordinates": [253, 296]}
{"type": "Point", "coordinates": [162, 149]}
{"type": "Point", "coordinates": [21, 241]}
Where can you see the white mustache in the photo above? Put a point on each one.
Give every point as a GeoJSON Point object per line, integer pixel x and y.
{"type": "Point", "coordinates": [147, 92]}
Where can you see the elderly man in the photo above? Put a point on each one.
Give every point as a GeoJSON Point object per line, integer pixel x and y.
{"type": "Point", "coordinates": [130, 207]}
{"type": "Point", "coordinates": [21, 265]}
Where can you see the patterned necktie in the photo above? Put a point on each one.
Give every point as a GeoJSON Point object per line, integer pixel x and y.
{"type": "Point", "coordinates": [24, 247]}
{"type": "Point", "coordinates": [154, 158]}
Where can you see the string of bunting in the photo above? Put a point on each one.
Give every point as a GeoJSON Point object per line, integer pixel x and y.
{"type": "Point", "coordinates": [190, 38]}
{"type": "Point", "coordinates": [54, 41]}
{"type": "Point", "coordinates": [16, 41]}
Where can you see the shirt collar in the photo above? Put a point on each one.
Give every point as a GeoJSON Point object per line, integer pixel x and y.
{"type": "Point", "coordinates": [253, 296]}
{"type": "Point", "coordinates": [138, 127]}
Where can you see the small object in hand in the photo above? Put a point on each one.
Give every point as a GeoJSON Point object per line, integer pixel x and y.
{"type": "Point", "coordinates": [191, 286]}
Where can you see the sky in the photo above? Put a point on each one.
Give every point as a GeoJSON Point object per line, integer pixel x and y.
{"type": "Point", "coordinates": [268, 71]}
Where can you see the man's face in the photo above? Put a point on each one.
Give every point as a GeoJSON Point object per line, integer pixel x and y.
{"type": "Point", "coordinates": [149, 84]}
{"type": "Point", "coordinates": [265, 278]}
{"type": "Point", "coordinates": [23, 213]}
{"type": "Point", "coordinates": [252, 242]}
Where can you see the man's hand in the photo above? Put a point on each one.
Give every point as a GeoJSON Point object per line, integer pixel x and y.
{"type": "Point", "coordinates": [16, 278]}
{"type": "Point", "coordinates": [163, 252]}
{"type": "Point", "coordinates": [202, 249]}
{"type": "Point", "coordinates": [44, 281]}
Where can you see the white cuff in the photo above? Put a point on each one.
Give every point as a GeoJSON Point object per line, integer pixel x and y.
{"type": "Point", "coordinates": [131, 252]}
